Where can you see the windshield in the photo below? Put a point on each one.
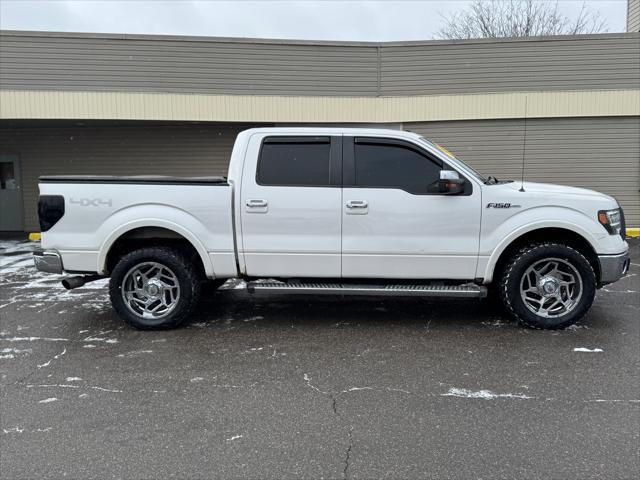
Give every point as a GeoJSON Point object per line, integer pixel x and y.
{"type": "Point", "coordinates": [448, 154]}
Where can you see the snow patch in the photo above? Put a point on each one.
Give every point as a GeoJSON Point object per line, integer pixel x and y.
{"type": "Point", "coordinates": [134, 353]}
{"type": "Point", "coordinates": [102, 389]}
{"type": "Point", "coordinates": [112, 390]}
{"type": "Point", "coordinates": [13, 430]}
{"type": "Point", "coordinates": [33, 339]}
{"type": "Point", "coordinates": [16, 350]}
{"type": "Point", "coordinates": [307, 380]}
{"type": "Point", "coordinates": [100, 339]}
{"type": "Point", "coordinates": [48, 400]}
{"type": "Point", "coordinates": [355, 389]}
{"type": "Point", "coordinates": [483, 394]}
{"type": "Point", "coordinates": [587, 350]}
{"type": "Point", "coordinates": [46, 364]}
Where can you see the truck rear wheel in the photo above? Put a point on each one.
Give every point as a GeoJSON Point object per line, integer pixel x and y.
{"type": "Point", "coordinates": [154, 288]}
{"type": "Point", "coordinates": [548, 285]}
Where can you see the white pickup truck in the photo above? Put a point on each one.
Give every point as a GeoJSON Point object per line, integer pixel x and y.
{"type": "Point", "coordinates": [338, 211]}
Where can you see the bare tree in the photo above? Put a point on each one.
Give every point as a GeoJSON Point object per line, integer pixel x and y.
{"type": "Point", "coordinates": [518, 18]}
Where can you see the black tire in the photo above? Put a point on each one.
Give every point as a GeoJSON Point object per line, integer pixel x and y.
{"type": "Point", "coordinates": [512, 278]}
{"type": "Point", "coordinates": [187, 278]}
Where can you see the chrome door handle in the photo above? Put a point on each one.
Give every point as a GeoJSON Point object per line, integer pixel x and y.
{"type": "Point", "coordinates": [357, 207]}
{"type": "Point", "coordinates": [256, 203]}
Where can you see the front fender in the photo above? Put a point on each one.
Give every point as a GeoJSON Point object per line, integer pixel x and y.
{"type": "Point", "coordinates": [497, 238]}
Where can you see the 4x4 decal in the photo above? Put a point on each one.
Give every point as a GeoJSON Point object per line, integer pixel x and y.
{"type": "Point", "coordinates": [90, 202]}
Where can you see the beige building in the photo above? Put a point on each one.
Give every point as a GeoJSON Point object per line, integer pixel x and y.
{"type": "Point", "coordinates": [138, 104]}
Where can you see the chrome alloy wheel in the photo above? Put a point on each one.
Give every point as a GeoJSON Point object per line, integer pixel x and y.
{"type": "Point", "coordinates": [551, 287]}
{"type": "Point", "coordinates": [150, 290]}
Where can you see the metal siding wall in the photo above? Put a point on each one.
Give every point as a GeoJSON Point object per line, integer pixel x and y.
{"type": "Point", "coordinates": [579, 64]}
{"type": "Point", "coordinates": [214, 67]}
{"type": "Point", "coordinates": [597, 153]}
{"type": "Point", "coordinates": [210, 66]}
{"type": "Point", "coordinates": [134, 150]}
{"type": "Point", "coordinates": [633, 15]}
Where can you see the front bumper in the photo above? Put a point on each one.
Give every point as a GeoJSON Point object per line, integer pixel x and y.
{"type": "Point", "coordinates": [613, 267]}
{"type": "Point", "coordinates": [47, 261]}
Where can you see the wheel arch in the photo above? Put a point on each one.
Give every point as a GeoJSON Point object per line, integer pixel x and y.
{"type": "Point", "coordinates": [559, 234]}
{"type": "Point", "coordinates": [138, 233]}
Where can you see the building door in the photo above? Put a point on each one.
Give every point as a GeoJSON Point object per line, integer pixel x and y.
{"type": "Point", "coordinates": [290, 206]}
{"type": "Point", "coordinates": [10, 194]}
{"type": "Point", "coordinates": [392, 226]}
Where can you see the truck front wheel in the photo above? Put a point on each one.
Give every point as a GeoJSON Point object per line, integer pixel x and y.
{"type": "Point", "coordinates": [548, 285]}
{"type": "Point", "coordinates": [153, 288]}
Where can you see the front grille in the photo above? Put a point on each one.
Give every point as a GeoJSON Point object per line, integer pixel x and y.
{"type": "Point", "coordinates": [623, 226]}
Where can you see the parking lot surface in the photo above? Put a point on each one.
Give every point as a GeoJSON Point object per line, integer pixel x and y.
{"type": "Point", "coordinates": [284, 387]}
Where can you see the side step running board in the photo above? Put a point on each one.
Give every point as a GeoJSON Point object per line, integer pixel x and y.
{"type": "Point", "coordinates": [469, 290]}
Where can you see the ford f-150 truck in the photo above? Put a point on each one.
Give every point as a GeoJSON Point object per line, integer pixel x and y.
{"type": "Point", "coordinates": [338, 211]}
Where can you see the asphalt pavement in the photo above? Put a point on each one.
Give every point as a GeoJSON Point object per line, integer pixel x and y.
{"type": "Point", "coordinates": [272, 386]}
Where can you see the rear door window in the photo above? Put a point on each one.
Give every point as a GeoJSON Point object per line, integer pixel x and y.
{"type": "Point", "coordinates": [295, 161]}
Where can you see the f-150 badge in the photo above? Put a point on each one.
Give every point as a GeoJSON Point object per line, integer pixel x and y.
{"type": "Point", "coordinates": [502, 205]}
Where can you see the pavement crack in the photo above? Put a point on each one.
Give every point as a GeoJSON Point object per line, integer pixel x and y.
{"type": "Point", "coordinates": [334, 407]}
{"type": "Point", "coordinates": [347, 457]}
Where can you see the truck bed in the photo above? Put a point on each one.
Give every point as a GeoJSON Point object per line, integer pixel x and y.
{"type": "Point", "coordinates": [99, 209]}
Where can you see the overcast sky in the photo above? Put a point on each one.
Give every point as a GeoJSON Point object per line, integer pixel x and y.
{"type": "Point", "coordinates": [303, 19]}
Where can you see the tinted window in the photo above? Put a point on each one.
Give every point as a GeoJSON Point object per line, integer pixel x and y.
{"type": "Point", "coordinates": [296, 162]}
{"type": "Point", "coordinates": [394, 166]}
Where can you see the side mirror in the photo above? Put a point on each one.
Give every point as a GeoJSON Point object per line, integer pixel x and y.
{"type": "Point", "coordinates": [450, 183]}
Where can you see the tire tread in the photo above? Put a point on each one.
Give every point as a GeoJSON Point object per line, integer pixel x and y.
{"type": "Point", "coordinates": [157, 253]}
{"type": "Point", "coordinates": [504, 283]}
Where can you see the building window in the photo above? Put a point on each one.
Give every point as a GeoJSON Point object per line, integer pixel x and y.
{"type": "Point", "coordinates": [7, 176]}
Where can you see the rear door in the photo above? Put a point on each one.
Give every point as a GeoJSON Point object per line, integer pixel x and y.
{"type": "Point", "coordinates": [291, 206]}
{"type": "Point", "coordinates": [392, 226]}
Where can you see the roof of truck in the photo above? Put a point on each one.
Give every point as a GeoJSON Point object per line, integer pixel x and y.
{"type": "Point", "coordinates": [333, 131]}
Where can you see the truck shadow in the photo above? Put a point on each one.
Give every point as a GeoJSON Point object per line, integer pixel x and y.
{"type": "Point", "coordinates": [238, 307]}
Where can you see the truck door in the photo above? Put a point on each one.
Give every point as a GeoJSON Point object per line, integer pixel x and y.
{"type": "Point", "coordinates": [291, 206]}
{"type": "Point", "coordinates": [392, 227]}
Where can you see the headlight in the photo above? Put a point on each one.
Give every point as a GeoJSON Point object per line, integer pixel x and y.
{"type": "Point", "coordinates": [611, 220]}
